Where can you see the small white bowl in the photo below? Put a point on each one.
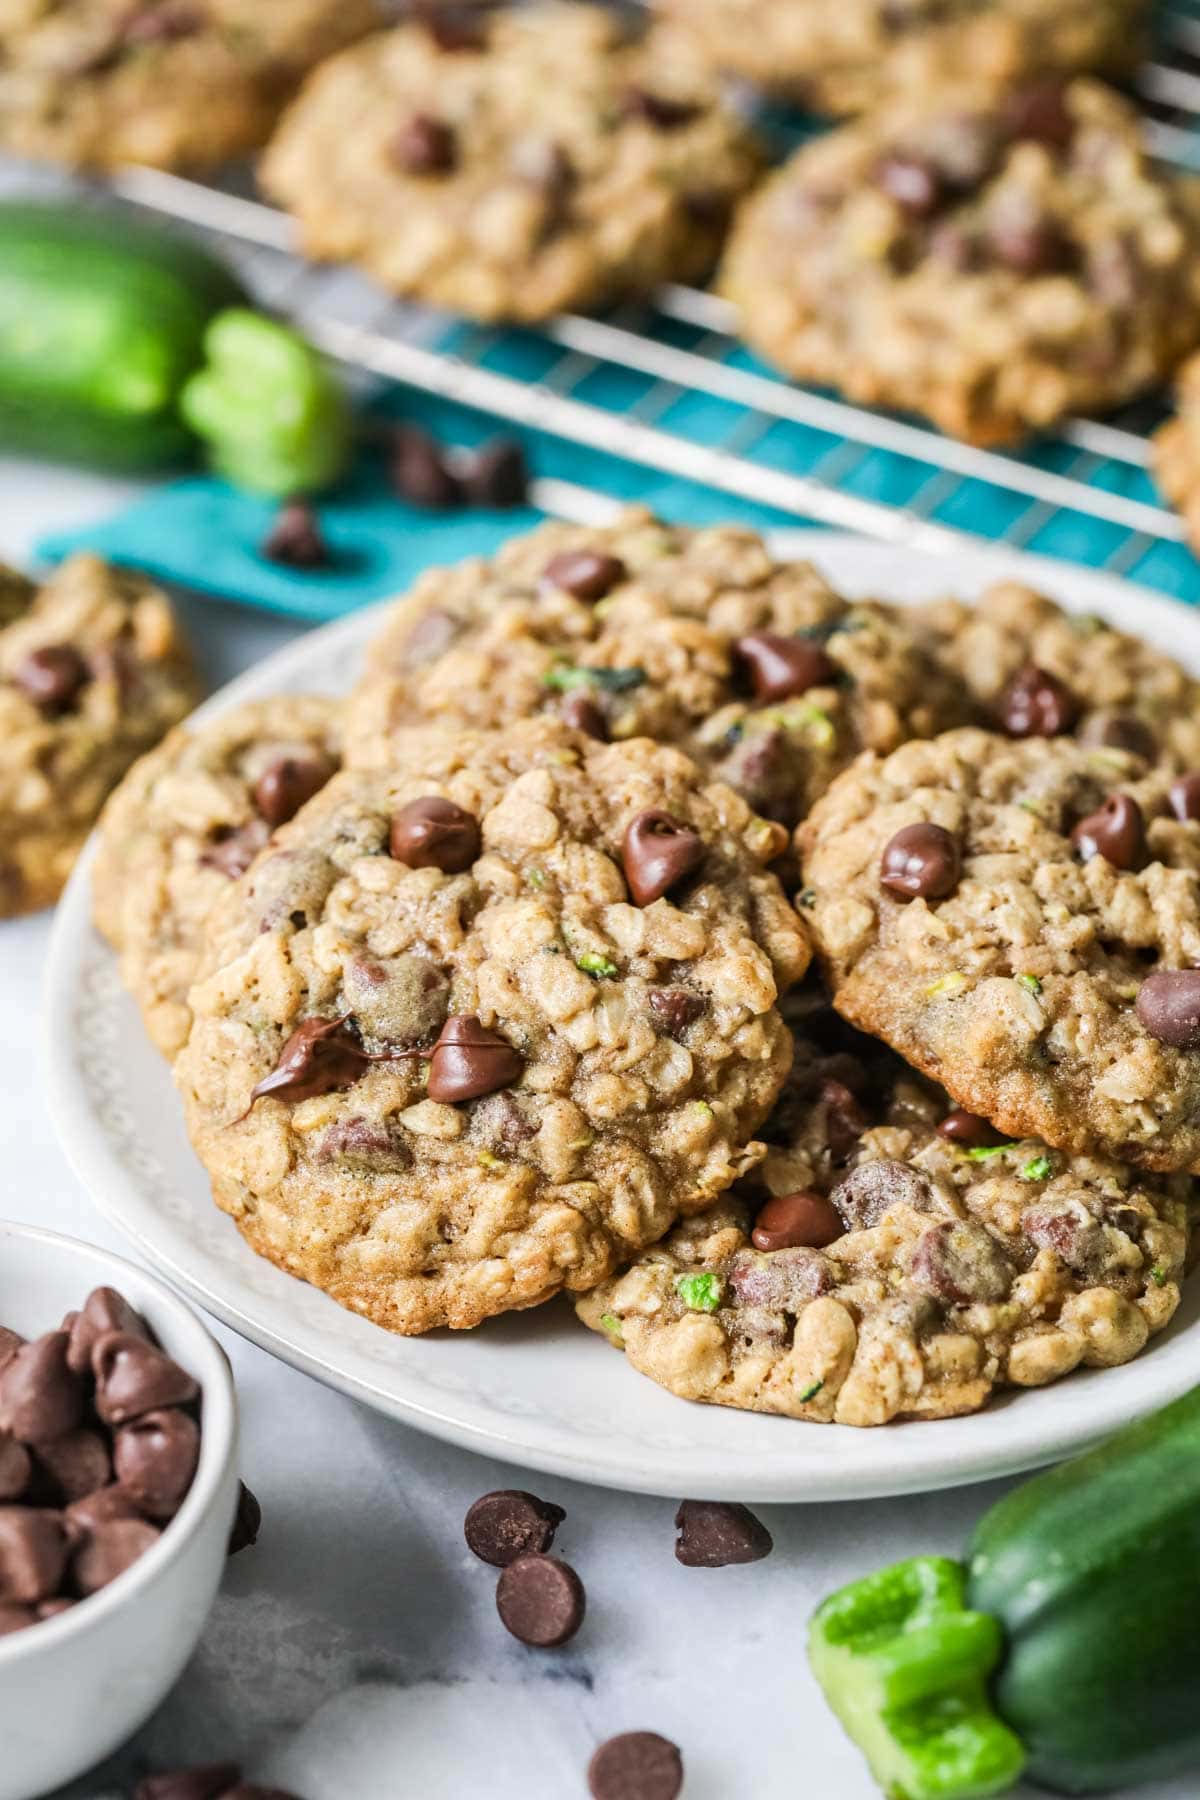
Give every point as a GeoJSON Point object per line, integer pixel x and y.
{"type": "Point", "coordinates": [76, 1686]}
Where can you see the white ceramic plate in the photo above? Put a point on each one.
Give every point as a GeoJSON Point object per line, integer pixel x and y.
{"type": "Point", "coordinates": [536, 1388]}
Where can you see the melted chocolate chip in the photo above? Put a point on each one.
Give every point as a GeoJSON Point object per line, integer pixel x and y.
{"type": "Point", "coordinates": [969, 1130]}
{"type": "Point", "coordinates": [787, 1220]}
{"type": "Point", "coordinates": [425, 145]}
{"type": "Point", "coordinates": [320, 1056]}
{"type": "Point", "coordinates": [283, 787]}
{"type": "Point", "coordinates": [509, 1523]}
{"type": "Point", "coordinates": [1185, 797]}
{"type": "Point", "coordinates": [713, 1534]}
{"type": "Point", "coordinates": [637, 1765]}
{"type": "Point", "coordinates": [920, 861]}
{"type": "Point", "coordinates": [1168, 1005]}
{"type": "Point", "coordinates": [1037, 704]}
{"type": "Point", "coordinates": [781, 667]}
{"type": "Point", "coordinates": [579, 710]}
{"type": "Point", "coordinates": [1115, 831]}
{"type": "Point", "coordinates": [541, 1601]}
{"type": "Point", "coordinates": [52, 677]}
{"type": "Point", "coordinates": [783, 1280]}
{"type": "Point", "coordinates": [586, 574]}
{"type": "Point", "coordinates": [433, 833]}
{"type": "Point", "coordinates": [674, 1009]}
{"type": "Point", "coordinates": [295, 538]}
{"type": "Point", "coordinates": [419, 472]}
{"type": "Point", "coordinates": [960, 1262]}
{"type": "Point", "coordinates": [468, 1060]}
{"type": "Point", "coordinates": [658, 852]}
{"type": "Point", "coordinates": [874, 1188]}
{"type": "Point", "coordinates": [233, 853]}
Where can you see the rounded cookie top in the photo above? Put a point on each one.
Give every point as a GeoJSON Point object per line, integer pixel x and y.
{"type": "Point", "coordinates": [698, 638]}
{"type": "Point", "coordinates": [92, 673]}
{"type": "Point", "coordinates": [1034, 669]}
{"type": "Point", "coordinates": [993, 262]}
{"type": "Point", "coordinates": [896, 1257]}
{"type": "Point", "coordinates": [546, 159]}
{"type": "Point", "coordinates": [470, 1029]}
{"type": "Point", "coordinates": [187, 820]}
{"type": "Point", "coordinates": [1021, 920]}
{"type": "Point", "coordinates": [851, 57]}
{"type": "Point", "coordinates": [174, 83]}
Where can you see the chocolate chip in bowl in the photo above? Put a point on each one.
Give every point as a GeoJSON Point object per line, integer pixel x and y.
{"type": "Point", "coordinates": [118, 1484]}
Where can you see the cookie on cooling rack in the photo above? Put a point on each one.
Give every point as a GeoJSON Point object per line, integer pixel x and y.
{"type": "Point", "coordinates": [187, 821]}
{"type": "Point", "coordinates": [1021, 921]}
{"type": "Point", "coordinates": [848, 58]}
{"type": "Point", "coordinates": [92, 673]}
{"type": "Point", "coordinates": [894, 1257]}
{"type": "Point", "coordinates": [993, 262]}
{"type": "Point", "coordinates": [473, 1028]}
{"type": "Point", "coordinates": [179, 84]}
{"type": "Point", "coordinates": [1177, 450]}
{"type": "Point", "coordinates": [693, 637]}
{"type": "Point", "coordinates": [544, 160]}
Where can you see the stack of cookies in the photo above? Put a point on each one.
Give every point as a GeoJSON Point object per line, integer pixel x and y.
{"type": "Point", "coordinates": [494, 982]}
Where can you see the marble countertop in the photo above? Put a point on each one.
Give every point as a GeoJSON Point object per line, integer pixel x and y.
{"type": "Point", "coordinates": [355, 1654]}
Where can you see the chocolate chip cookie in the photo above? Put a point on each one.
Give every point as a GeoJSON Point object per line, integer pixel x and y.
{"type": "Point", "coordinates": [472, 1028]}
{"type": "Point", "coordinates": [547, 159]}
{"type": "Point", "coordinates": [180, 84]}
{"type": "Point", "coordinates": [188, 820]}
{"type": "Point", "coordinates": [93, 671]}
{"type": "Point", "coordinates": [1033, 669]}
{"type": "Point", "coordinates": [1177, 450]}
{"type": "Point", "coordinates": [1020, 919]}
{"type": "Point", "coordinates": [698, 638]}
{"type": "Point", "coordinates": [993, 262]}
{"type": "Point", "coordinates": [851, 57]}
{"type": "Point", "coordinates": [896, 1257]}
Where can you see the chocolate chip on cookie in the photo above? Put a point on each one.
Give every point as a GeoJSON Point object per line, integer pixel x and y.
{"type": "Point", "coordinates": [468, 1060]}
{"type": "Point", "coordinates": [1039, 111]}
{"type": "Point", "coordinates": [509, 1523]}
{"type": "Point", "coordinates": [920, 861]}
{"type": "Point", "coordinates": [805, 1217]}
{"type": "Point", "coordinates": [781, 667]}
{"type": "Point", "coordinates": [1185, 797]}
{"type": "Point", "coordinates": [1112, 728]}
{"type": "Point", "coordinates": [968, 1130]}
{"type": "Point", "coordinates": [233, 851]}
{"type": "Point", "coordinates": [52, 677]}
{"type": "Point", "coordinates": [873, 1188]}
{"type": "Point", "coordinates": [658, 852]}
{"type": "Point", "coordinates": [913, 182]}
{"type": "Point", "coordinates": [1115, 831]}
{"type": "Point", "coordinates": [675, 1008]}
{"type": "Point", "coordinates": [284, 786]}
{"type": "Point", "coordinates": [712, 1534]}
{"type": "Point", "coordinates": [1037, 704]}
{"type": "Point", "coordinates": [1168, 1005]}
{"type": "Point", "coordinates": [425, 145]}
{"type": "Point", "coordinates": [585, 574]}
{"type": "Point", "coordinates": [541, 1600]}
{"type": "Point", "coordinates": [581, 713]}
{"type": "Point", "coordinates": [433, 833]}
{"type": "Point", "coordinates": [637, 1765]}
{"type": "Point", "coordinates": [320, 1056]}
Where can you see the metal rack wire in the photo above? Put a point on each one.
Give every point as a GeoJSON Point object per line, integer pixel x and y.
{"type": "Point", "coordinates": [668, 386]}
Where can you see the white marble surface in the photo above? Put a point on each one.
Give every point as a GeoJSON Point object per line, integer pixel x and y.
{"type": "Point", "coordinates": [356, 1654]}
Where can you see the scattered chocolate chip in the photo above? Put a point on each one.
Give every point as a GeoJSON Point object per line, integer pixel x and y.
{"type": "Point", "coordinates": [638, 1765]}
{"type": "Point", "coordinates": [1039, 111]}
{"type": "Point", "coordinates": [1115, 831]}
{"type": "Point", "coordinates": [135, 1377]}
{"type": "Point", "coordinates": [500, 1527]}
{"type": "Point", "coordinates": [16, 1468]}
{"type": "Point", "coordinates": [1035, 245]}
{"type": "Point", "coordinates": [1168, 1005]}
{"type": "Point", "coordinates": [913, 182]}
{"type": "Point", "coordinates": [585, 574]}
{"type": "Point", "coordinates": [873, 1188]}
{"type": "Point", "coordinates": [920, 861]}
{"type": "Point", "coordinates": [247, 1522]}
{"type": "Point", "coordinates": [781, 667]}
{"type": "Point", "coordinates": [675, 1008]}
{"type": "Point", "coordinates": [715, 1533]}
{"type": "Point", "coordinates": [497, 475]}
{"type": "Point", "coordinates": [961, 1262]}
{"type": "Point", "coordinates": [419, 472]}
{"type": "Point", "coordinates": [155, 1458]}
{"type": "Point", "coordinates": [541, 1601]}
{"type": "Point", "coordinates": [1185, 797]}
{"type": "Point", "coordinates": [1111, 729]}
{"type": "Point", "coordinates": [114, 1546]}
{"type": "Point", "coordinates": [295, 538]}
{"type": "Point", "coordinates": [787, 1220]}
{"type": "Point", "coordinates": [658, 852]}
{"type": "Point", "coordinates": [33, 1554]}
{"type": "Point", "coordinates": [969, 1130]}
{"type": "Point", "coordinates": [284, 786]}
{"type": "Point", "coordinates": [1037, 704]}
{"type": "Point", "coordinates": [425, 145]}
{"type": "Point", "coordinates": [432, 833]}
{"type": "Point", "coordinates": [233, 853]}
{"type": "Point", "coordinates": [580, 711]}
{"type": "Point", "coordinates": [468, 1060]}
{"type": "Point", "coordinates": [52, 677]}
{"type": "Point", "coordinates": [659, 110]}
{"type": "Point", "coordinates": [41, 1397]}
{"type": "Point", "coordinates": [103, 1311]}
{"type": "Point", "coordinates": [784, 1280]}
{"type": "Point", "coordinates": [210, 1781]}
{"type": "Point", "coordinates": [76, 1464]}
{"type": "Point", "coordinates": [319, 1057]}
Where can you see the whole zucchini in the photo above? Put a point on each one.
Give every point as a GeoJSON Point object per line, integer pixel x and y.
{"type": "Point", "coordinates": [102, 320]}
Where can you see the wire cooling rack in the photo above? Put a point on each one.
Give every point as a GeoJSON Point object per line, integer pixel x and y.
{"type": "Point", "coordinates": [669, 386]}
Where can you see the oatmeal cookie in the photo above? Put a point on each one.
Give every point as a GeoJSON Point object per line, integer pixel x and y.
{"type": "Point", "coordinates": [698, 638]}
{"type": "Point", "coordinates": [1032, 668]}
{"type": "Point", "coordinates": [1021, 921]}
{"type": "Point", "coordinates": [471, 1029]}
{"type": "Point", "coordinates": [552, 161]}
{"type": "Point", "coordinates": [897, 1258]}
{"type": "Point", "coordinates": [991, 262]}
{"type": "Point", "coordinates": [186, 821]}
{"type": "Point", "coordinates": [853, 56]}
{"type": "Point", "coordinates": [1177, 450]}
{"type": "Point", "coordinates": [92, 673]}
{"type": "Point", "coordinates": [179, 84]}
